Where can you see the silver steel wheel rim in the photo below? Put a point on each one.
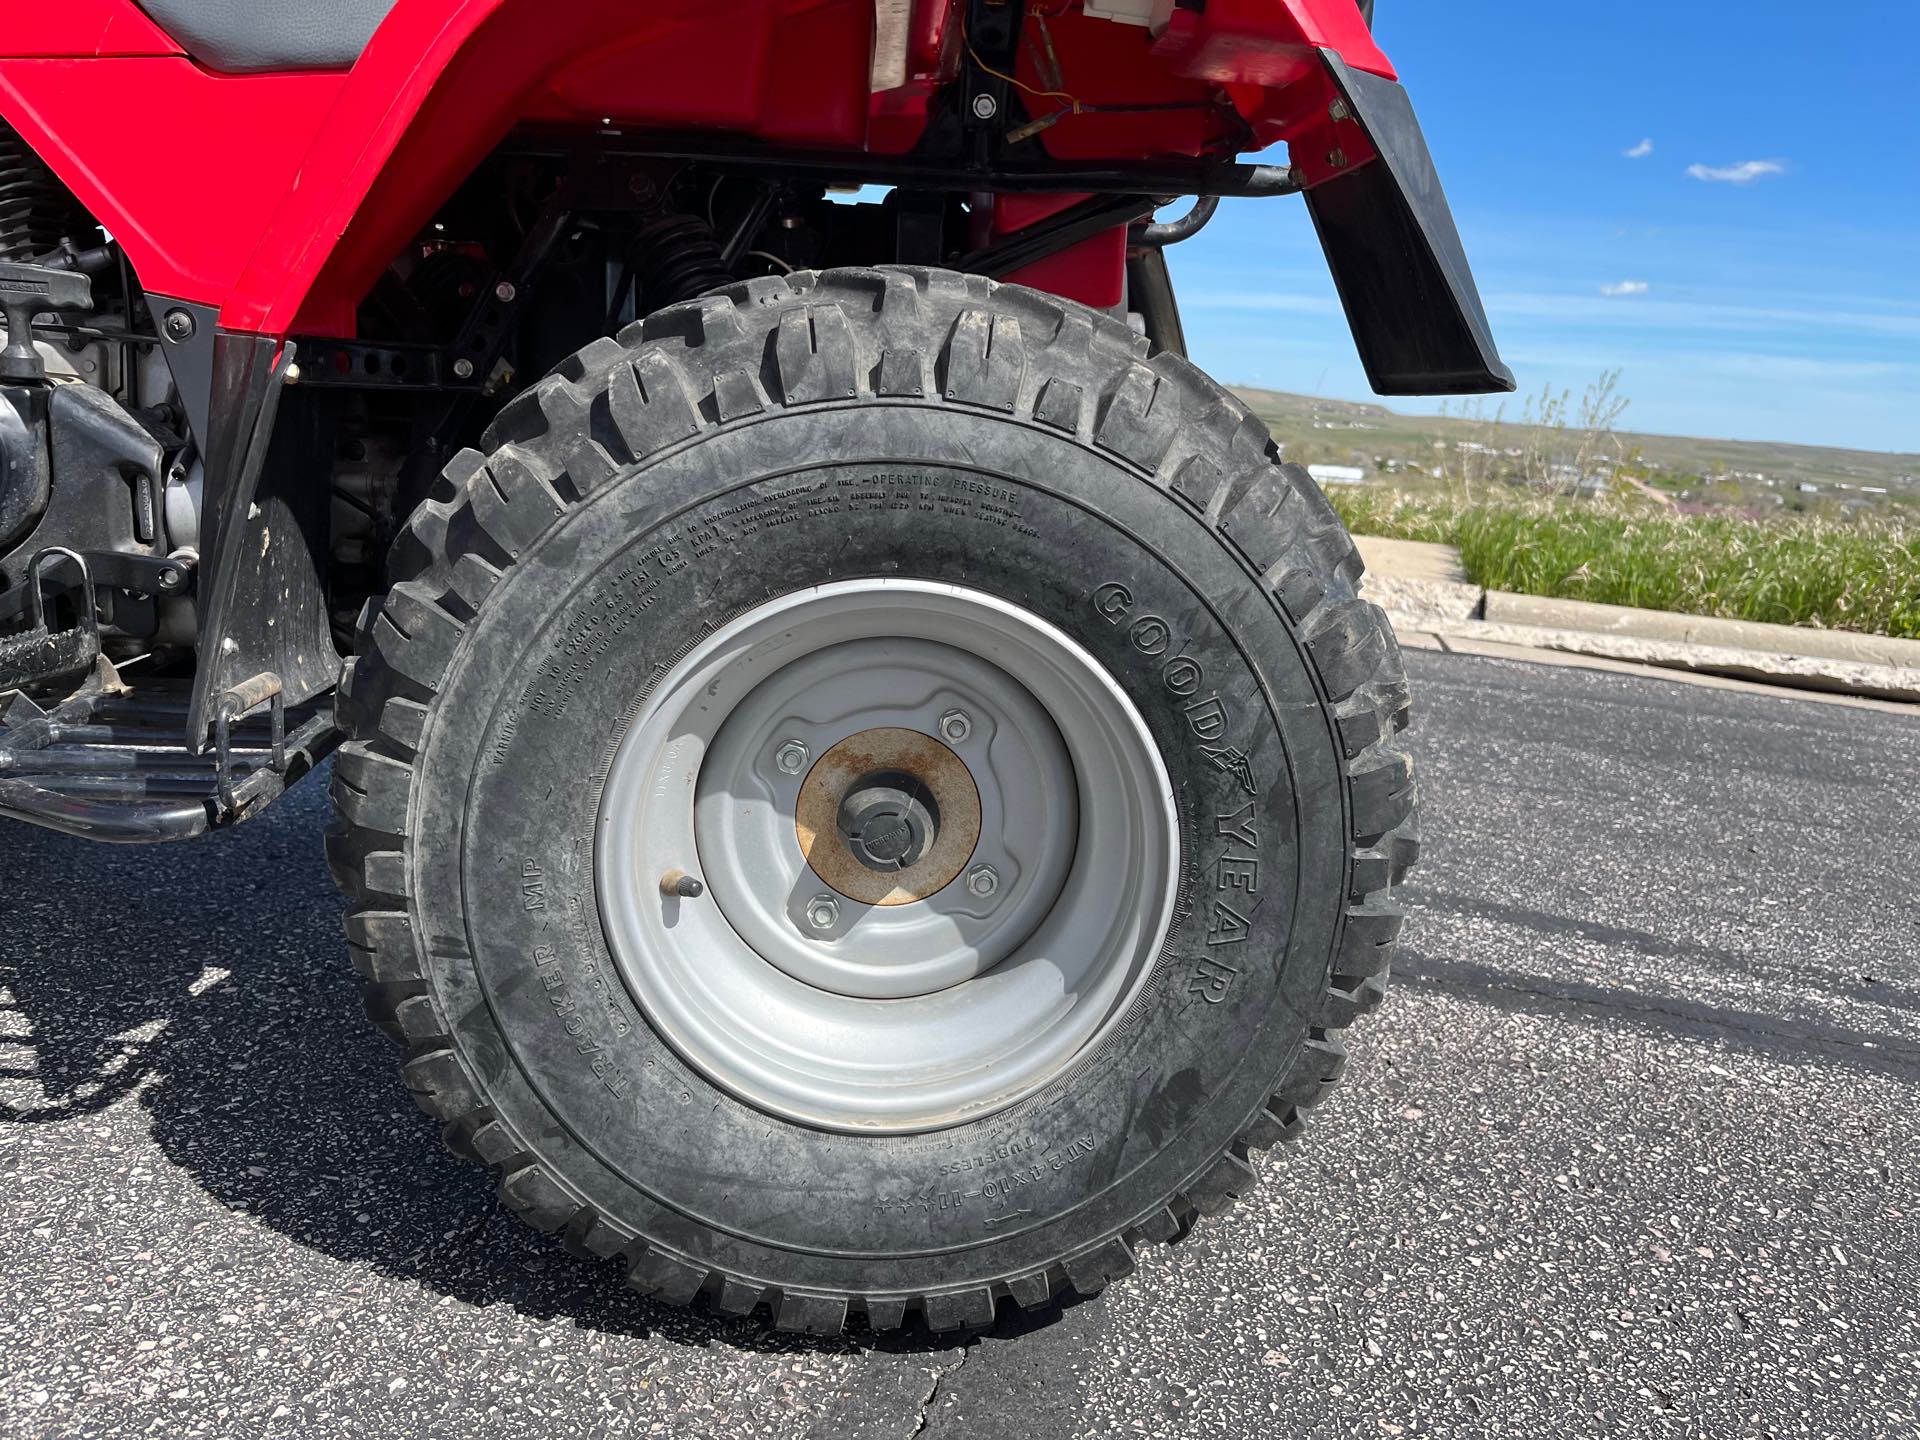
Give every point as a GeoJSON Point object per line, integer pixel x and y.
{"type": "Point", "coordinates": [917, 1013]}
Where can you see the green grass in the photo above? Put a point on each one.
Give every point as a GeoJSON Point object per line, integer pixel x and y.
{"type": "Point", "coordinates": [1859, 575]}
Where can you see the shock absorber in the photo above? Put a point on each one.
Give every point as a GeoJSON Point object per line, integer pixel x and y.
{"type": "Point", "coordinates": [37, 213]}
{"type": "Point", "coordinates": [676, 257]}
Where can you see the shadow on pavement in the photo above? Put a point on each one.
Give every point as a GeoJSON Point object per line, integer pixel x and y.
{"type": "Point", "coordinates": [210, 981]}
{"type": "Point", "coordinates": [1608, 1002]}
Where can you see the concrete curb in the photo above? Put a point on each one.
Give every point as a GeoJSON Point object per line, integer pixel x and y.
{"type": "Point", "coordinates": [1501, 608]}
{"type": "Point", "coordinates": [1424, 589]}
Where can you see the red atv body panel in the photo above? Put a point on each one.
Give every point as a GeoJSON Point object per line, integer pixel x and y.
{"type": "Point", "coordinates": [278, 198]}
{"type": "Point", "coordinates": [260, 200]}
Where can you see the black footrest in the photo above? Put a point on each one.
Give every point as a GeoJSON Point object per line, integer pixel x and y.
{"type": "Point", "coordinates": [109, 763]}
{"type": "Point", "coordinates": [40, 654]}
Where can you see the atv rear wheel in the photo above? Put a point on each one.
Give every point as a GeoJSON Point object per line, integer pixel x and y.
{"type": "Point", "coordinates": [872, 798]}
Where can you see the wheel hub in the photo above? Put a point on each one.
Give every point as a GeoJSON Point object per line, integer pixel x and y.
{"type": "Point", "coordinates": [888, 821]}
{"type": "Point", "coordinates": [961, 894]}
{"type": "Point", "coordinates": [888, 816]}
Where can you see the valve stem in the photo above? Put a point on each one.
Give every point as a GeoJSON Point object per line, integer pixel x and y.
{"type": "Point", "coordinates": [679, 883]}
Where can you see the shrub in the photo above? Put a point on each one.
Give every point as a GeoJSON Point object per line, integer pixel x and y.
{"type": "Point", "coordinates": [1861, 574]}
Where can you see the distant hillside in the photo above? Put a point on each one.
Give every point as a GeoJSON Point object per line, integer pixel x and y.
{"type": "Point", "coordinates": [1340, 432]}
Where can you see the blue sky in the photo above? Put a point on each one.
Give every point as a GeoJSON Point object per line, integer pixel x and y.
{"type": "Point", "coordinates": [1784, 307]}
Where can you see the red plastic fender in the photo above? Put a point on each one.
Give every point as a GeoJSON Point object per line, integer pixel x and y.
{"type": "Point", "coordinates": [83, 27]}
{"type": "Point", "coordinates": [279, 198]}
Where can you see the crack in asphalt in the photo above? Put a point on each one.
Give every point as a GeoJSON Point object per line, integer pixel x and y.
{"type": "Point", "coordinates": [940, 1374]}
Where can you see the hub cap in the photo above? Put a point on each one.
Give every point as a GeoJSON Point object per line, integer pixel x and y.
{"type": "Point", "coordinates": [888, 821]}
{"type": "Point", "coordinates": [938, 846]}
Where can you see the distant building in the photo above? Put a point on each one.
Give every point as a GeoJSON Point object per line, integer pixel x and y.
{"type": "Point", "coordinates": [1572, 476]}
{"type": "Point", "coordinates": [1338, 474]}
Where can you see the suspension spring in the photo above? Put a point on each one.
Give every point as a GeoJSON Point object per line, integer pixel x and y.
{"type": "Point", "coordinates": [37, 212]}
{"type": "Point", "coordinates": [676, 257]}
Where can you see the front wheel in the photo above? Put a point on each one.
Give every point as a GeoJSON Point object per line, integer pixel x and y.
{"type": "Point", "coordinates": [873, 798]}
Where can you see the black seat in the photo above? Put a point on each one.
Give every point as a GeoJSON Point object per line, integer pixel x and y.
{"type": "Point", "coordinates": [238, 36]}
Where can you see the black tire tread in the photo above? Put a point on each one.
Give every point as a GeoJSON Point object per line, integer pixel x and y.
{"type": "Point", "coordinates": [831, 338]}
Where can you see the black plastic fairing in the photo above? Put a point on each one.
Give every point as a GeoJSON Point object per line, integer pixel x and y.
{"type": "Point", "coordinates": [264, 538]}
{"type": "Point", "coordinates": [1396, 255]}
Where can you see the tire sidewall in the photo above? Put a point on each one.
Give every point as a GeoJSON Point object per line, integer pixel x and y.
{"type": "Point", "coordinates": [567, 645]}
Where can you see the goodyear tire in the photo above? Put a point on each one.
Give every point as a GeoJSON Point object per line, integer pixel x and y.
{"type": "Point", "coordinates": [887, 496]}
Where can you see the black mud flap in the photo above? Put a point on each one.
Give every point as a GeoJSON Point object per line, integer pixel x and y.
{"type": "Point", "coordinates": [1396, 255]}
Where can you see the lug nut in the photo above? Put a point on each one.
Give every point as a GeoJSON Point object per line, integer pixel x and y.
{"type": "Point", "coordinates": [822, 912]}
{"type": "Point", "coordinates": [791, 757]}
{"type": "Point", "coordinates": [983, 880]}
{"type": "Point", "coordinates": [956, 725]}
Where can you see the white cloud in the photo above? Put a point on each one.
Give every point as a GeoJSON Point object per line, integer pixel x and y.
{"type": "Point", "coordinates": [1625, 287]}
{"type": "Point", "coordinates": [1640, 151]}
{"type": "Point", "coordinates": [1745, 173]}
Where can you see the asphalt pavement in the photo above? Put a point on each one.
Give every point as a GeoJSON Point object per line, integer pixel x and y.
{"type": "Point", "coordinates": [1632, 1149]}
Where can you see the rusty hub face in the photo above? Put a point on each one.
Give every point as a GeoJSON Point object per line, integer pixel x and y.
{"type": "Point", "coordinates": [863, 763]}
